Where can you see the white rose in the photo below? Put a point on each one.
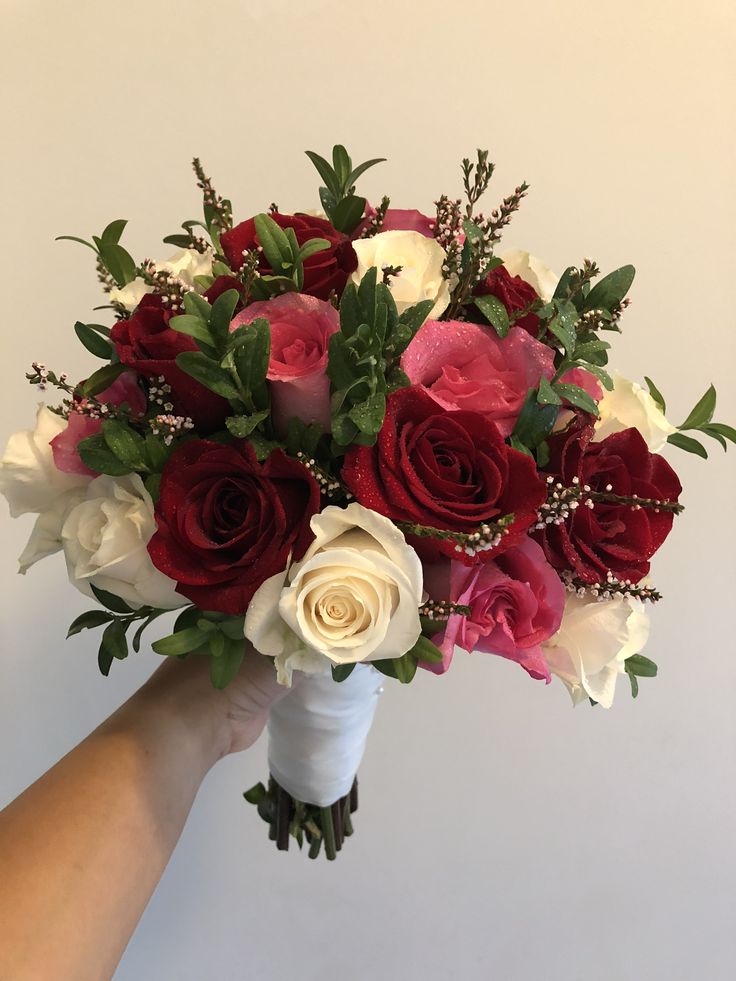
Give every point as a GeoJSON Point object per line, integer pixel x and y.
{"type": "Point", "coordinates": [421, 260]}
{"type": "Point", "coordinates": [353, 597]}
{"type": "Point", "coordinates": [29, 479]}
{"type": "Point", "coordinates": [186, 264]}
{"type": "Point", "coordinates": [131, 295]}
{"type": "Point", "coordinates": [595, 638]}
{"type": "Point", "coordinates": [105, 537]}
{"type": "Point", "coordinates": [627, 405]}
{"type": "Point", "coordinates": [532, 270]}
{"type": "Point", "coordinates": [31, 483]}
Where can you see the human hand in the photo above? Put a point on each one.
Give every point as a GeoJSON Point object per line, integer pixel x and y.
{"type": "Point", "coordinates": [230, 720]}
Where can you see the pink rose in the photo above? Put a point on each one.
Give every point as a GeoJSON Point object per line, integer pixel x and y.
{"type": "Point", "coordinates": [467, 366]}
{"type": "Point", "coordinates": [301, 327]}
{"type": "Point", "coordinates": [399, 220]}
{"type": "Point", "coordinates": [123, 391]}
{"type": "Point", "coordinates": [583, 379]}
{"type": "Point", "coordinates": [516, 603]}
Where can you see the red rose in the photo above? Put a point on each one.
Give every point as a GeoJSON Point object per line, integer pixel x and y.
{"type": "Point", "coordinates": [445, 469]}
{"type": "Point", "coordinates": [615, 537]}
{"type": "Point", "coordinates": [323, 272]}
{"type": "Point", "coordinates": [150, 346]}
{"type": "Point", "coordinates": [515, 294]}
{"type": "Point", "coordinates": [226, 522]}
{"type": "Point", "coordinates": [221, 285]}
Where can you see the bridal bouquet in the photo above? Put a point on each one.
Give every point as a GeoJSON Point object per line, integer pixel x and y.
{"type": "Point", "coordinates": [356, 441]}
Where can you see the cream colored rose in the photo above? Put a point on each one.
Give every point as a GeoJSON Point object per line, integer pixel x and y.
{"type": "Point", "coordinates": [532, 270]}
{"type": "Point", "coordinates": [105, 537]}
{"type": "Point", "coordinates": [31, 484]}
{"type": "Point", "coordinates": [131, 295]}
{"type": "Point", "coordinates": [627, 405]}
{"type": "Point", "coordinates": [28, 478]}
{"type": "Point", "coordinates": [421, 260]}
{"type": "Point", "coordinates": [353, 597]}
{"type": "Point", "coordinates": [596, 636]}
{"type": "Point", "coordinates": [186, 265]}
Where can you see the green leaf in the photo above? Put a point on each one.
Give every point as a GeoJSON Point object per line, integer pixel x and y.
{"type": "Point", "coordinates": [95, 454]}
{"type": "Point", "coordinates": [80, 241]}
{"type": "Point", "coordinates": [251, 357]}
{"type": "Point", "coordinates": [547, 395]}
{"type": "Point", "coordinates": [127, 445]}
{"type": "Point", "coordinates": [86, 621]}
{"type": "Point", "coordinates": [256, 794]}
{"type": "Point", "coordinates": [110, 600]}
{"type": "Point", "coordinates": [114, 231]}
{"type": "Point", "coordinates": [603, 377]}
{"type": "Point", "coordinates": [368, 416]}
{"type": "Point", "coordinates": [181, 642]}
{"type": "Point", "coordinates": [139, 632]}
{"type": "Point", "coordinates": [425, 650]}
{"type": "Point", "coordinates": [361, 169]}
{"type": "Point", "coordinates": [242, 426]}
{"type": "Point", "coordinates": [232, 628]}
{"type": "Point", "coordinates": [656, 394]}
{"type": "Point", "coordinates": [405, 668]}
{"type": "Point", "coordinates": [634, 683]}
{"type": "Point", "coordinates": [577, 396]}
{"type": "Point", "coordinates": [326, 172]}
{"type": "Point", "coordinates": [180, 241]}
{"type": "Point", "coordinates": [224, 668]}
{"type": "Point", "coordinates": [275, 244]}
{"type": "Point", "coordinates": [101, 379]}
{"type": "Point", "coordinates": [535, 421]}
{"type": "Point", "coordinates": [341, 164]}
{"type": "Point", "coordinates": [95, 344]}
{"type": "Point", "coordinates": [564, 331]}
{"type": "Point", "coordinates": [221, 315]}
{"type": "Point", "coordinates": [721, 429]}
{"type": "Point", "coordinates": [495, 313]}
{"type": "Point", "coordinates": [117, 261]}
{"type": "Point", "coordinates": [348, 214]}
{"type": "Point", "coordinates": [689, 444]}
{"type": "Point", "coordinates": [207, 373]}
{"type": "Point", "coordinates": [342, 671]}
{"type": "Point", "coordinates": [703, 411]}
{"type": "Point", "coordinates": [114, 645]}
{"type": "Point", "coordinates": [193, 327]}
{"type": "Point", "coordinates": [152, 484]}
{"type": "Point", "coordinates": [639, 665]}
{"type": "Point", "coordinates": [311, 247]}
{"type": "Point", "coordinates": [610, 291]}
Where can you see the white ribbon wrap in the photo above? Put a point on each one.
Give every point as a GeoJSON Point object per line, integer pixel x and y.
{"type": "Point", "coordinates": [317, 734]}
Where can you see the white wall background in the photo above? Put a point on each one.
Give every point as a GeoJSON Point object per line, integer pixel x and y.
{"type": "Point", "coordinates": [501, 834]}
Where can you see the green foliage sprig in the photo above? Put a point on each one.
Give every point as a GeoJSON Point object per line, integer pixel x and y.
{"type": "Point", "coordinates": [700, 420]}
{"type": "Point", "coordinates": [231, 364]}
{"type": "Point", "coordinates": [285, 257]}
{"type": "Point", "coordinates": [117, 617]}
{"type": "Point", "coordinates": [215, 635]}
{"type": "Point", "coordinates": [363, 359]}
{"type": "Point", "coordinates": [111, 256]}
{"type": "Point", "coordinates": [342, 206]}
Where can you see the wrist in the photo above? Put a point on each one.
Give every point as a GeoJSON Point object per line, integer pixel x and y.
{"type": "Point", "coordinates": [180, 697]}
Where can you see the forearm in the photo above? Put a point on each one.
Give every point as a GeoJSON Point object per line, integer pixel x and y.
{"type": "Point", "coordinates": [83, 848]}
